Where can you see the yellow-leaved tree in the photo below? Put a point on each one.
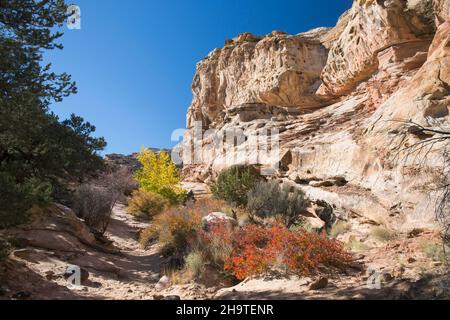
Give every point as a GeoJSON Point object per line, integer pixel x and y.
{"type": "Point", "coordinates": [160, 175]}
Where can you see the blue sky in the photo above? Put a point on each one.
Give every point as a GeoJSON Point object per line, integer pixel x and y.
{"type": "Point", "coordinates": [134, 60]}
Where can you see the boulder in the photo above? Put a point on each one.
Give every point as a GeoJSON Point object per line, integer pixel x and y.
{"type": "Point", "coordinates": [163, 283]}
{"type": "Point", "coordinates": [218, 218]}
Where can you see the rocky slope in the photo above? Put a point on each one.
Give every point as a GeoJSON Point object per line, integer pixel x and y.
{"type": "Point", "coordinates": [338, 98]}
{"type": "Point", "coordinates": [117, 267]}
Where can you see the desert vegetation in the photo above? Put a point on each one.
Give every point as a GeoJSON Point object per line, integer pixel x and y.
{"type": "Point", "coordinates": [159, 175]}
{"type": "Point", "coordinates": [233, 184]}
{"type": "Point", "coordinates": [270, 199]}
{"type": "Point", "coordinates": [205, 233]}
{"type": "Point", "coordinates": [94, 201]}
{"type": "Point", "coordinates": [143, 204]}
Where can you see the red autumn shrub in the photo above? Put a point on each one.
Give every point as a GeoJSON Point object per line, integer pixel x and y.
{"type": "Point", "coordinates": [217, 243]}
{"type": "Point", "coordinates": [249, 255]}
{"type": "Point", "coordinates": [257, 249]}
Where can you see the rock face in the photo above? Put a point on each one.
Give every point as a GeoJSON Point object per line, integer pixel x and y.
{"type": "Point", "coordinates": [254, 76]}
{"type": "Point", "coordinates": [373, 27]}
{"type": "Point", "coordinates": [118, 161]}
{"type": "Point", "coordinates": [339, 98]}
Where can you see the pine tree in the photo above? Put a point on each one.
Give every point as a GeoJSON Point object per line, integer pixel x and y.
{"type": "Point", "coordinates": [38, 153]}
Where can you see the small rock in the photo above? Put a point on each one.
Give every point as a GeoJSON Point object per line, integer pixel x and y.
{"type": "Point", "coordinates": [415, 233]}
{"type": "Point", "coordinates": [315, 224]}
{"type": "Point", "coordinates": [359, 257]}
{"type": "Point", "coordinates": [294, 177]}
{"type": "Point", "coordinates": [22, 295]}
{"type": "Point", "coordinates": [158, 297]}
{"type": "Point", "coordinates": [77, 288]}
{"type": "Point", "coordinates": [387, 277]}
{"type": "Point", "coordinates": [172, 298]}
{"type": "Point", "coordinates": [163, 283]}
{"type": "Point", "coordinates": [322, 283]}
{"type": "Point", "coordinates": [154, 278]}
{"type": "Point", "coordinates": [411, 260]}
{"type": "Point", "coordinates": [50, 275]}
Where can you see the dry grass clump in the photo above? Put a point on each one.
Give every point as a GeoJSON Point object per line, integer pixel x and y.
{"type": "Point", "coordinates": [354, 245]}
{"type": "Point", "coordinates": [435, 250]}
{"type": "Point", "coordinates": [94, 204]}
{"type": "Point", "coordinates": [195, 264]}
{"type": "Point", "coordinates": [339, 228]}
{"type": "Point", "coordinates": [146, 205]}
{"type": "Point", "coordinates": [383, 234]}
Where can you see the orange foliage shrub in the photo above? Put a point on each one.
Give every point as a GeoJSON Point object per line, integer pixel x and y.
{"type": "Point", "coordinates": [257, 249]}
{"type": "Point", "coordinates": [177, 229]}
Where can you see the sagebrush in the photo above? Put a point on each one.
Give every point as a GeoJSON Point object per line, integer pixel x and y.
{"type": "Point", "coordinates": [271, 199]}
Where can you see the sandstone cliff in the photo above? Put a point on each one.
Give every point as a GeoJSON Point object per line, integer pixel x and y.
{"type": "Point", "coordinates": [337, 96]}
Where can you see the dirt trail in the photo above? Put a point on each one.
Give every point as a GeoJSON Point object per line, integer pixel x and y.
{"type": "Point", "coordinates": [131, 273]}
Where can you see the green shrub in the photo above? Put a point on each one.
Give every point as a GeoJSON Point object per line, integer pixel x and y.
{"type": "Point", "coordinates": [233, 184]}
{"type": "Point", "coordinates": [5, 249]}
{"type": "Point", "coordinates": [341, 227]}
{"type": "Point", "coordinates": [17, 198]}
{"type": "Point", "coordinates": [269, 199]}
{"type": "Point", "coordinates": [144, 204]}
